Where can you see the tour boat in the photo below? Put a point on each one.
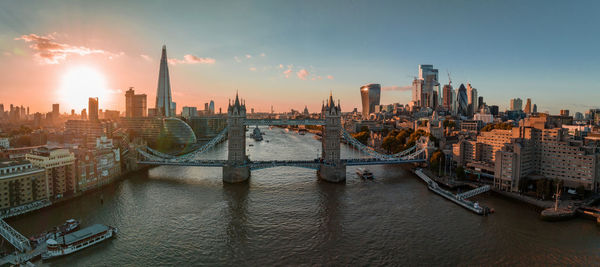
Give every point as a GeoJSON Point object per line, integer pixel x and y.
{"type": "Point", "coordinates": [78, 240]}
{"type": "Point", "coordinates": [364, 173]}
{"type": "Point", "coordinates": [69, 226]}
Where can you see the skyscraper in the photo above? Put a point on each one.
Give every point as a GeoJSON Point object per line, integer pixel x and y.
{"type": "Point", "coordinates": [528, 107]}
{"type": "Point", "coordinates": [425, 85]}
{"type": "Point", "coordinates": [448, 97]}
{"type": "Point", "coordinates": [211, 107]}
{"type": "Point", "coordinates": [370, 95]}
{"type": "Point", "coordinates": [472, 99]}
{"type": "Point", "coordinates": [93, 108]}
{"type": "Point", "coordinates": [135, 105]}
{"type": "Point", "coordinates": [55, 110]}
{"type": "Point", "coordinates": [462, 101]}
{"type": "Point", "coordinates": [516, 104]}
{"type": "Point", "coordinates": [164, 105]}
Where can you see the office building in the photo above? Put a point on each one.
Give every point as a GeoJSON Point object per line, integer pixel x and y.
{"type": "Point", "coordinates": [189, 112]}
{"type": "Point", "coordinates": [516, 104]}
{"type": "Point", "coordinates": [528, 107]}
{"type": "Point", "coordinates": [55, 110]}
{"type": "Point", "coordinates": [211, 108]}
{"type": "Point", "coordinates": [370, 95]}
{"type": "Point", "coordinates": [60, 170]}
{"type": "Point", "coordinates": [93, 109]}
{"type": "Point", "coordinates": [494, 110]}
{"type": "Point", "coordinates": [164, 104]}
{"type": "Point", "coordinates": [20, 183]}
{"type": "Point", "coordinates": [462, 105]}
{"type": "Point", "coordinates": [472, 100]}
{"type": "Point", "coordinates": [448, 97]}
{"type": "Point", "coordinates": [135, 105]}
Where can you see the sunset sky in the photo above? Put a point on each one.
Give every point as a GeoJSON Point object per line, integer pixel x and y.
{"type": "Point", "coordinates": [293, 53]}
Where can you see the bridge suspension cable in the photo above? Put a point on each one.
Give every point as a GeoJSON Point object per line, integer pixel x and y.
{"type": "Point", "coordinates": [205, 147]}
{"type": "Point", "coordinates": [406, 154]}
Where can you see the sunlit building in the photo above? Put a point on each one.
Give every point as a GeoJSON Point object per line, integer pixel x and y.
{"type": "Point", "coordinates": [60, 170]}
{"type": "Point", "coordinates": [370, 95]}
{"type": "Point", "coordinates": [20, 183]}
{"type": "Point", "coordinates": [135, 105]}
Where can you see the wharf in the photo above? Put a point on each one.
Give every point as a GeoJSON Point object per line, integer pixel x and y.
{"type": "Point", "coordinates": [470, 205]}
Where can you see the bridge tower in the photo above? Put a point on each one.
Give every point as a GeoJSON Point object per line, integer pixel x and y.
{"type": "Point", "coordinates": [332, 169]}
{"type": "Point", "coordinates": [236, 169]}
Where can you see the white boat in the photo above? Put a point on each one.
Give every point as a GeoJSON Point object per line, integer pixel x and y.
{"type": "Point", "coordinates": [364, 173]}
{"type": "Point", "coordinates": [78, 240]}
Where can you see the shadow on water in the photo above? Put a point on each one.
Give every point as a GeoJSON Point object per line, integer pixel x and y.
{"type": "Point", "coordinates": [331, 206]}
{"type": "Point", "coordinates": [236, 198]}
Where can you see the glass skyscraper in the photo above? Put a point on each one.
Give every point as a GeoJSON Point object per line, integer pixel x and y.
{"type": "Point", "coordinates": [370, 95]}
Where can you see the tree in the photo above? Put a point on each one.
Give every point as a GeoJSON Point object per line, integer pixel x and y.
{"type": "Point", "coordinates": [362, 137]}
{"type": "Point", "coordinates": [580, 191]}
{"type": "Point", "coordinates": [389, 143]}
{"type": "Point", "coordinates": [460, 172]}
{"type": "Point", "coordinates": [436, 160]}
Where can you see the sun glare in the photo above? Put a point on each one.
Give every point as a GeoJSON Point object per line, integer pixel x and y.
{"type": "Point", "coordinates": [79, 84]}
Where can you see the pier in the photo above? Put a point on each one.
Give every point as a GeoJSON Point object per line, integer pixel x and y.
{"type": "Point", "coordinates": [460, 199]}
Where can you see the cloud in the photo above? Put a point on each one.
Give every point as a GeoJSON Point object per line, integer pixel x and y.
{"type": "Point", "coordinates": [281, 66]}
{"type": "Point", "coordinates": [263, 54]}
{"type": "Point", "coordinates": [330, 77]}
{"type": "Point", "coordinates": [7, 54]}
{"type": "Point", "coordinates": [248, 56]}
{"type": "Point", "coordinates": [252, 69]}
{"type": "Point", "coordinates": [397, 88]}
{"type": "Point", "coordinates": [302, 74]}
{"type": "Point", "coordinates": [191, 59]}
{"type": "Point", "coordinates": [51, 52]}
{"type": "Point", "coordinates": [146, 57]}
{"type": "Point", "coordinates": [287, 72]}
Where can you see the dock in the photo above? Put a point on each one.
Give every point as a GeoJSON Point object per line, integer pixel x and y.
{"type": "Point", "coordinates": [460, 199]}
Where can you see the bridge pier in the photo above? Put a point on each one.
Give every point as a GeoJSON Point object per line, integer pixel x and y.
{"type": "Point", "coordinates": [332, 173]}
{"type": "Point", "coordinates": [235, 174]}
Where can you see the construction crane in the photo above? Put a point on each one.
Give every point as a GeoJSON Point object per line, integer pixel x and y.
{"type": "Point", "coordinates": [449, 80]}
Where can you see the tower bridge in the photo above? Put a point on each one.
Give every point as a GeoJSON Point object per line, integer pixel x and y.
{"type": "Point", "coordinates": [330, 166]}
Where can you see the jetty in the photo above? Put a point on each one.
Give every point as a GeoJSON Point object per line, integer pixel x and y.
{"type": "Point", "coordinates": [460, 199]}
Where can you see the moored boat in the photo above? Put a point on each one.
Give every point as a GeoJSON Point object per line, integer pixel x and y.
{"type": "Point", "coordinates": [78, 240]}
{"type": "Point", "coordinates": [69, 226]}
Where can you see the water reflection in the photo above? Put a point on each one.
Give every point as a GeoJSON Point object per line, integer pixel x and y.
{"type": "Point", "coordinates": [236, 217]}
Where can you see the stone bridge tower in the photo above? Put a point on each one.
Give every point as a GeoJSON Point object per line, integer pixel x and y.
{"type": "Point", "coordinates": [236, 169]}
{"type": "Point", "coordinates": [332, 169]}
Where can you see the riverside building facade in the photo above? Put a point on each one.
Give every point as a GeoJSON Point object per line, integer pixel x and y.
{"type": "Point", "coordinates": [59, 164]}
{"type": "Point", "coordinates": [20, 183]}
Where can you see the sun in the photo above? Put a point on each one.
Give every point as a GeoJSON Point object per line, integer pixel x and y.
{"type": "Point", "coordinates": [79, 84]}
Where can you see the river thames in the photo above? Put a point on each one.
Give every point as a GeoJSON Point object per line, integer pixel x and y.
{"type": "Point", "coordinates": [186, 216]}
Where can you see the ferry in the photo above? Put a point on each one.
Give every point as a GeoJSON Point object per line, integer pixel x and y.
{"type": "Point", "coordinates": [256, 134]}
{"type": "Point", "coordinates": [78, 240]}
{"type": "Point", "coordinates": [364, 173]}
{"type": "Point", "coordinates": [302, 131]}
{"type": "Point", "coordinates": [69, 226]}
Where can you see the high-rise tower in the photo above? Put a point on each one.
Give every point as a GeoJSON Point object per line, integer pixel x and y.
{"type": "Point", "coordinates": [370, 95]}
{"type": "Point", "coordinates": [164, 106]}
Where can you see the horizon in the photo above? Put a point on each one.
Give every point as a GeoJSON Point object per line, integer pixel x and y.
{"type": "Point", "coordinates": [263, 51]}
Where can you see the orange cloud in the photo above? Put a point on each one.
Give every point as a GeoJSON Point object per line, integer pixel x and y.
{"type": "Point", "coordinates": [302, 74]}
{"type": "Point", "coordinates": [191, 59]}
{"type": "Point", "coordinates": [287, 72]}
{"type": "Point", "coordinates": [51, 52]}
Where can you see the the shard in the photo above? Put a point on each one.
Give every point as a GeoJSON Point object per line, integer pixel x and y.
{"type": "Point", "coordinates": [164, 105]}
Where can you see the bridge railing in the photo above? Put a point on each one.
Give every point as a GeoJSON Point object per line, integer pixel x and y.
{"type": "Point", "coordinates": [205, 147]}
{"type": "Point", "coordinates": [280, 122]}
{"type": "Point", "coordinates": [15, 238]}
{"type": "Point", "coordinates": [371, 152]}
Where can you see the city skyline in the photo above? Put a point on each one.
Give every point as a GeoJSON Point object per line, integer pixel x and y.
{"type": "Point", "coordinates": [267, 53]}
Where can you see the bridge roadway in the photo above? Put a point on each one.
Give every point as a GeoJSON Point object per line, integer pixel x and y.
{"type": "Point", "coordinates": [281, 122]}
{"type": "Point", "coordinates": [263, 164]}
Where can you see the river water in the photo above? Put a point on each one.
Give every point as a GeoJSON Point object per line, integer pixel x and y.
{"type": "Point", "coordinates": [186, 216]}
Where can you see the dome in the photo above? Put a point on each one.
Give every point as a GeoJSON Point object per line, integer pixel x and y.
{"type": "Point", "coordinates": [180, 132]}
